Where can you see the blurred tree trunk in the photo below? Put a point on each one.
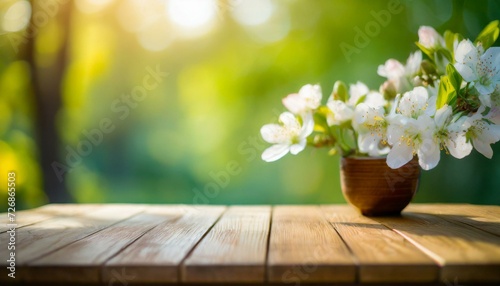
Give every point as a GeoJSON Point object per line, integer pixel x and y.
{"type": "Point", "coordinates": [46, 83]}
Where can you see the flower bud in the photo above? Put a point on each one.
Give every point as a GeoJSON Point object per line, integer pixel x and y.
{"type": "Point", "coordinates": [429, 38]}
{"type": "Point", "coordinates": [388, 89]}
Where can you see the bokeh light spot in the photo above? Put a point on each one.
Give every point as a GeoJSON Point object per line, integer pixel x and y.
{"type": "Point", "coordinates": [191, 13]}
{"type": "Point", "coordinates": [17, 16]}
{"type": "Point", "coordinates": [253, 12]}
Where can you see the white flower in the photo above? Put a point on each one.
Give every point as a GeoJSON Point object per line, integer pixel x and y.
{"type": "Point", "coordinates": [370, 124]}
{"type": "Point", "coordinates": [401, 76]}
{"type": "Point", "coordinates": [356, 91]}
{"type": "Point", "coordinates": [451, 134]}
{"type": "Point", "coordinates": [375, 99]}
{"type": "Point", "coordinates": [414, 103]}
{"type": "Point", "coordinates": [482, 133]}
{"type": "Point", "coordinates": [392, 69]}
{"type": "Point", "coordinates": [481, 69]}
{"type": "Point", "coordinates": [341, 112]}
{"type": "Point", "coordinates": [413, 64]}
{"type": "Point", "coordinates": [409, 136]}
{"type": "Point", "coordinates": [429, 38]}
{"type": "Point", "coordinates": [308, 99]}
{"type": "Point", "coordinates": [494, 114]}
{"type": "Point", "coordinates": [372, 98]}
{"type": "Point", "coordinates": [288, 137]}
{"type": "Point", "coordinates": [411, 131]}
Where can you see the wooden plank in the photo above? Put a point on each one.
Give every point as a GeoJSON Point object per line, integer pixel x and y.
{"type": "Point", "coordinates": [305, 248]}
{"type": "Point", "coordinates": [383, 255]}
{"type": "Point", "coordinates": [465, 254]}
{"type": "Point", "coordinates": [234, 250]}
{"type": "Point", "coordinates": [32, 216]}
{"type": "Point", "coordinates": [156, 256]}
{"type": "Point", "coordinates": [486, 218]}
{"type": "Point", "coordinates": [36, 240]}
{"type": "Point", "coordinates": [81, 261]}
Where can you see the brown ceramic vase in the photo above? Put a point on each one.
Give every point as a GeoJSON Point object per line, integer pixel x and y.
{"type": "Point", "coordinates": [374, 188]}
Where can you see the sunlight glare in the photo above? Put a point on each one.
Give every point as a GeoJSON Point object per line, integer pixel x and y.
{"type": "Point", "coordinates": [254, 12]}
{"type": "Point", "coordinates": [191, 13]}
{"type": "Point", "coordinates": [92, 6]}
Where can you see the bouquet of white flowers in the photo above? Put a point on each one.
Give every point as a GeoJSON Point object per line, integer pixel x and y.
{"type": "Point", "coordinates": [449, 100]}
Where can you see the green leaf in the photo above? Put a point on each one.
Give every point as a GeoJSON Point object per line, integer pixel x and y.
{"type": "Point", "coordinates": [446, 53]}
{"type": "Point", "coordinates": [340, 91]}
{"type": "Point", "coordinates": [425, 50]}
{"type": "Point", "coordinates": [488, 35]}
{"type": "Point", "coordinates": [449, 38]}
{"type": "Point", "coordinates": [349, 138]}
{"type": "Point", "coordinates": [458, 38]}
{"type": "Point", "coordinates": [454, 76]}
{"type": "Point", "coordinates": [338, 134]}
{"type": "Point", "coordinates": [446, 92]}
{"type": "Point", "coordinates": [361, 99]}
{"type": "Point", "coordinates": [320, 124]}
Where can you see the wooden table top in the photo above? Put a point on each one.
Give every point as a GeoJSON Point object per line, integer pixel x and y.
{"type": "Point", "coordinates": [108, 244]}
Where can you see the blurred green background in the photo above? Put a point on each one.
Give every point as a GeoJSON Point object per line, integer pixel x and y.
{"type": "Point", "coordinates": [182, 88]}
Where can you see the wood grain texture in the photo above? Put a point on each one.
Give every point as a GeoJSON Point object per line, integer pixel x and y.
{"type": "Point", "coordinates": [305, 248]}
{"type": "Point", "coordinates": [155, 257]}
{"type": "Point", "coordinates": [29, 217]}
{"type": "Point", "coordinates": [37, 240]}
{"type": "Point", "coordinates": [466, 254]}
{"type": "Point", "coordinates": [383, 255]}
{"type": "Point", "coordinates": [81, 260]}
{"type": "Point", "coordinates": [234, 250]}
{"type": "Point", "coordinates": [251, 245]}
{"type": "Point", "coordinates": [486, 218]}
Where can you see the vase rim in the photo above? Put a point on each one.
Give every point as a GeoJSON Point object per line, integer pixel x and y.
{"type": "Point", "coordinates": [365, 157]}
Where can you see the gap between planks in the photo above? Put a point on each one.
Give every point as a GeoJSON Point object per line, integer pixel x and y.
{"type": "Point", "coordinates": [43, 238]}
{"type": "Point", "coordinates": [382, 255]}
{"type": "Point", "coordinates": [156, 256]}
{"type": "Point", "coordinates": [234, 250]}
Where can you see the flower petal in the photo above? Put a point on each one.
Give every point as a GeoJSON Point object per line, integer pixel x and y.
{"type": "Point", "coordinates": [483, 148]}
{"type": "Point", "coordinates": [341, 112]}
{"type": "Point", "coordinates": [466, 72]}
{"type": "Point", "coordinates": [312, 95]}
{"type": "Point", "coordinates": [356, 91]}
{"type": "Point", "coordinates": [491, 58]}
{"type": "Point", "coordinates": [296, 148]}
{"type": "Point", "coordinates": [484, 89]}
{"type": "Point", "coordinates": [289, 120]}
{"type": "Point", "coordinates": [307, 125]}
{"type": "Point", "coordinates": [392, 69]}
{"type": "Point", "coordinates": [294, 103]}
{"type": "Point", "coordinates": [442, 115]}
{"type": "Point", "coordinates": [399, 155]}
{"type": "Point", "coordinates": [428, 154]}
{"type": "Point", "coordinates": [414, 102]}
{"type": "Point", "coordinates": [490, 134]}
{"type": "Point", "coordinates": [413, 63]}
{"type": "Point", "coordinates": [457, 145]}
{"type": "Point", "coordinates": [485, 99]}
{"type": "Point", "coordinates": [273, 133]}
{"type": "Point", "coordinates": [275, 152]}
{"type": "Point", "coordinates": [375, 100]}
{"type": "Point", "coordinates": [466, 52]}
{"type": "Point", "coordinates": [429, 38]}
